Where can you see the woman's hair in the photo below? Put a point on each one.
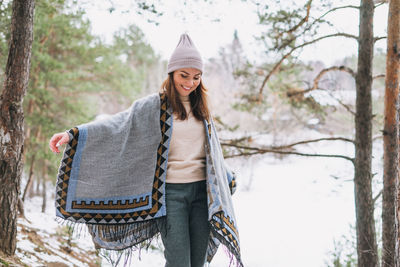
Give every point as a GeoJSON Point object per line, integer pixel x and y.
{"type": "Point", "coordinates": [198, 100]}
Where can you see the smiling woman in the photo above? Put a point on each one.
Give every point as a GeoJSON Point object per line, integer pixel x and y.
{"type": "Point", "coordinates": [154, 168]}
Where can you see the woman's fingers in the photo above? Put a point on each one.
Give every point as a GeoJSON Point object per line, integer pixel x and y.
{"type": "Point", "coordinates": [58, 140]}
{"type": "Point", "coordinates": [53, 141]}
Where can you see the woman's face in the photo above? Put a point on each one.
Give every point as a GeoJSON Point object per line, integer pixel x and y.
{"type": "Point", "coordinates": [186, 80]}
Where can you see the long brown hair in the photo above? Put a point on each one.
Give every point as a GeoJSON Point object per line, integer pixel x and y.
{"type": "Point", "coordinates": [198, 100]}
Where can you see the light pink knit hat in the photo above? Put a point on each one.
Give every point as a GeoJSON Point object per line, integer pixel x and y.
{"type": "Point", "coordinates": [185, 55]}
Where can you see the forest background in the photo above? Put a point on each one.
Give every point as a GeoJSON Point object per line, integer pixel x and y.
{"type": "Point", "coordinates": [265, 111]}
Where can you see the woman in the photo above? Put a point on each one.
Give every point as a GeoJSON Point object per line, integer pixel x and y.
{"type": "Point", "coordinates": [156, 167]}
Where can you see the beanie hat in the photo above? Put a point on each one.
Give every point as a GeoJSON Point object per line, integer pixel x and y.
{"type": "Point", "coordinates": [185, 55]}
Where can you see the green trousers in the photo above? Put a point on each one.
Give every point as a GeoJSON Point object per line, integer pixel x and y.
{"type": "Point", "coordinates": [187, 230]}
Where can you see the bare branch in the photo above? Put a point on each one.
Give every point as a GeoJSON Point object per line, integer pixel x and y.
{"type": "Point", "coordinates": [330, 11]}
{"type": "Point", "coordinates": [334, 68]}
{"type": "Point", "coordinates": [378, 76]}
{"type": "Point", "coordinates": [346, 107]}
{"type": "Point", "coordinates": [381, 3]}
{"type": "Point", "coordinates": [335, 9]}
{"type": "Point", "coordinates": [320, 18]}
{"type": "Point", "coordinates": [256, 151]}
{"type": "Point", "coordinates": [313, 23]}
{"type": "Point", "coordinates": [318, 78]}
{"type": "Point", "coordinates": [315, 141]}
{"type": "Point", "coordinates": [279, 63]}
{"type": "Point", "coordinates": [284, 149]}
{"type": "Point", "coordinates": [379, 38]}
{"type": "Point", "coordinates": [376, 137]}
{"type": "Point", "coordinates": [377, 196]}
{"type": "Point", "coordinates": [236, 141]}
{"type": "Point", "coordinates": [230, 142]}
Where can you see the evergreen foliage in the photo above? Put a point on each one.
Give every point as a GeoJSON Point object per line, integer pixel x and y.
{"type": "Point", "coordinates": [74, 74]}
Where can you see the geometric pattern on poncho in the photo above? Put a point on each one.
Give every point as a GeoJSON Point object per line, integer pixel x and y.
{"type": "Point", "coordinates": [223, 229]}
{"type": "Point", "coordinates": [223, 226]}
{"type": "Point", "coordinates": [111, 218]}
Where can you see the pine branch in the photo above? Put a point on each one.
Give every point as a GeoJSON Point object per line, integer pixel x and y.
{"type": "Point", "coordinates": [279, 63]}
{"type": "Point", "coordinates": [298, 25]}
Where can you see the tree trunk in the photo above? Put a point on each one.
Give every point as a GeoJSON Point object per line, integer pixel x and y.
{"type": "Point", "coordinates": [390, 138]}
{"type": "Point", "coordinates": [44, 189]}
{"type": "Point", "coordinates": [366, 238]}
{"type": "Point", "coordinates": [30, 178]}
{"type": "Point", "coordinates": [12, 120]}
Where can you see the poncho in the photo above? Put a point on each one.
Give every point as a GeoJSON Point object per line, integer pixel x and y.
{"type": "Point", "coordinates": [112, 178]}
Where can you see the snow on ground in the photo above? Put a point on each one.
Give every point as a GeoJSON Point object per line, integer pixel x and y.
{"type": "Point", "coordinates": [41, 241]}
{"type": "Point", "coordinates": [289, 212]}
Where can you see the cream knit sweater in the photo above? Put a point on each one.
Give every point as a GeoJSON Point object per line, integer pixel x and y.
{"type": "Point", "coordinates": [186, 157]}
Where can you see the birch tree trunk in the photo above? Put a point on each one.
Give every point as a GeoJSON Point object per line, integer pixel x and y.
{"type": "Point", "coordinates": [12, 120]}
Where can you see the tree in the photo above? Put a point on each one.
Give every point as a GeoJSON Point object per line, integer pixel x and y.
{"type": "Point", "coordinates": [289, 31]}
{"type": "Point", "coordinates": [390, 235]}
{"type": "Point", "coordinates": [367, 250]}
{"type": "Point", "coordinates": [73, 76]}
{"type": "Point", "coordinates": [12, 119]}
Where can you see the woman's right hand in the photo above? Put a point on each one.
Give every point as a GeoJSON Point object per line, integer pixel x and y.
{"type": "Point", "coordinates": [57, 140]}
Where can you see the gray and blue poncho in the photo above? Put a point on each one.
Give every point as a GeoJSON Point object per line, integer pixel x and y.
{"type": "Point", "coordinates": [112, 178]}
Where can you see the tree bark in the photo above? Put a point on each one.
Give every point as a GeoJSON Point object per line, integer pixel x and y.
{"type": "Point", "coordinates": [365, 224]}
{"type": "Point", "coordinates": [390, 139]}
{"type": "Point", "coordinates": [12, 120]}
